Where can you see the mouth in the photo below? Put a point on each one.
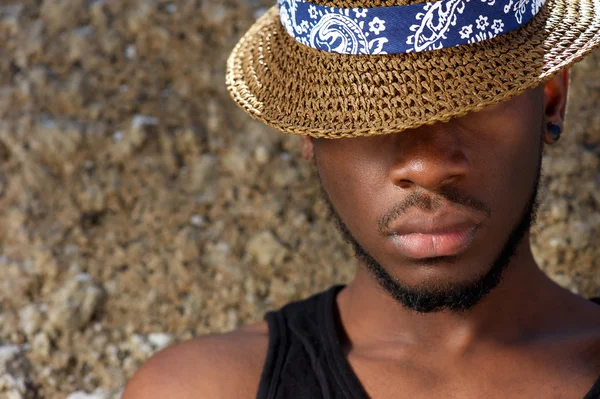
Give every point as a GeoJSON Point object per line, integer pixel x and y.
{"type": "Point", "coordinates": [429, 237]}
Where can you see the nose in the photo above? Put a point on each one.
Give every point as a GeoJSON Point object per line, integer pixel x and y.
{"type": "Point", "coordinates": [428, 159]}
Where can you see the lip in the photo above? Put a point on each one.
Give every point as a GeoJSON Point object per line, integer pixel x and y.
{"type": "Point", "coordinates": [434, 236]}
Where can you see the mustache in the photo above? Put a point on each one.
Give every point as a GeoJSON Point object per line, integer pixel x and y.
{"type": "Point", "coordinates": [430, 203]}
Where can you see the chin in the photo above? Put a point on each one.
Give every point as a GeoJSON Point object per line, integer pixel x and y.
{"type": "Point", "coordinates": [441, 271]}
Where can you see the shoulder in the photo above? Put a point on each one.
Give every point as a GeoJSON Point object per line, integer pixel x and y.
{"type": "Point", "coordinates": [213, 366]}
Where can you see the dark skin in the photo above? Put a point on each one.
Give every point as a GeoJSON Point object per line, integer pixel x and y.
{"type": "Point", "coordinates": [527, 338]}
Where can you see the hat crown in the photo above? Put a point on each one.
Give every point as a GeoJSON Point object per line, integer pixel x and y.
{"type": "Point", "coordinates": [365, 3]}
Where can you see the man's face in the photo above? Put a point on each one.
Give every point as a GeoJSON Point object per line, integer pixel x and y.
{"type": "Point", "coordinates": [437, 212]}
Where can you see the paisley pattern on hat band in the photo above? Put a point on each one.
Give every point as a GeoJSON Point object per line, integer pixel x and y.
{"type": "Point", "coordinates": [403, 29]}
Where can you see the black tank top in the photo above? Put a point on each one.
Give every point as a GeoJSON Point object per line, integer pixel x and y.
{"type": "Point", "coordinates": [305, 359]}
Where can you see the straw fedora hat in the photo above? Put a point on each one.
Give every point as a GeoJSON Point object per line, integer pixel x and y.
{"type": "Point", "coordinates": [348, 68]}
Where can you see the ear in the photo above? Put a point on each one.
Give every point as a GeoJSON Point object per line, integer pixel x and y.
{"type": "Point", "coordinates": [308, 151]}
{"type": "Point", "coordinates": [555, 101]}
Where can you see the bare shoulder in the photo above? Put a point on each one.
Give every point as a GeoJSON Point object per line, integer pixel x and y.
{"type": "Point", "coordinates": [213, 366]}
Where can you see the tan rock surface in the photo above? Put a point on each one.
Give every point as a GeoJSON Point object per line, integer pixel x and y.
{"type": "Point", "coordinates": [139, 206]}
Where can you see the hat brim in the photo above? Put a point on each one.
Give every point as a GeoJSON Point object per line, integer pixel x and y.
{"type": "Point", "coordinates": [297, 89]}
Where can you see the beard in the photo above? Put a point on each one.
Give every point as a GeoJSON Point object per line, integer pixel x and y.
{"type": "Point", "coordinates": [456, 297]}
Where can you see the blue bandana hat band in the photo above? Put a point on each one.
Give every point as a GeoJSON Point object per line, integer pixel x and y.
{"type": "Point", "coordinates": [403, 29]}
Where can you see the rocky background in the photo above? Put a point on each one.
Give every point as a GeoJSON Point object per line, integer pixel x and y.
{"type": "Point", "coordinates": [140, 207]}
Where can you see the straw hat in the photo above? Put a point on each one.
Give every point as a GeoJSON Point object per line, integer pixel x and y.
{"type": "Point", "coordinates": [299, 77]}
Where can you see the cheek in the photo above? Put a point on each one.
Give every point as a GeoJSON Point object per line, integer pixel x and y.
{"type": "Point", "coordinates": [356, 185]}
{"type": "Point", "coordinates": [349, 185]}
{"type": "Point", "coordinates": [508, 164]}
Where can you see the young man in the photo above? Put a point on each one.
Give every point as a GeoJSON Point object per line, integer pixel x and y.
{"type": "Point", "coordinates": [426, 123]}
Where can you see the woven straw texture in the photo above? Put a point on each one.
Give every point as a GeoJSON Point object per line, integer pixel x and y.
{"type": "Point", "coordinates": [296, 89]}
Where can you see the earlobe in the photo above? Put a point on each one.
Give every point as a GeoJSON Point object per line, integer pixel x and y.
{"type": "Point", "coordinates": [308, 149]}
{"type": "Point", "coordinates": [552, 134]}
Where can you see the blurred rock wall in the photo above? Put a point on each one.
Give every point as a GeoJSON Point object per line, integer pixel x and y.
{"type": "Point", "coordinates": [139, 206]}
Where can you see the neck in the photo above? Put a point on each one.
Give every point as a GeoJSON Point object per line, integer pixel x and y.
{"type": "Point", "coordinates": [512, 312]}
